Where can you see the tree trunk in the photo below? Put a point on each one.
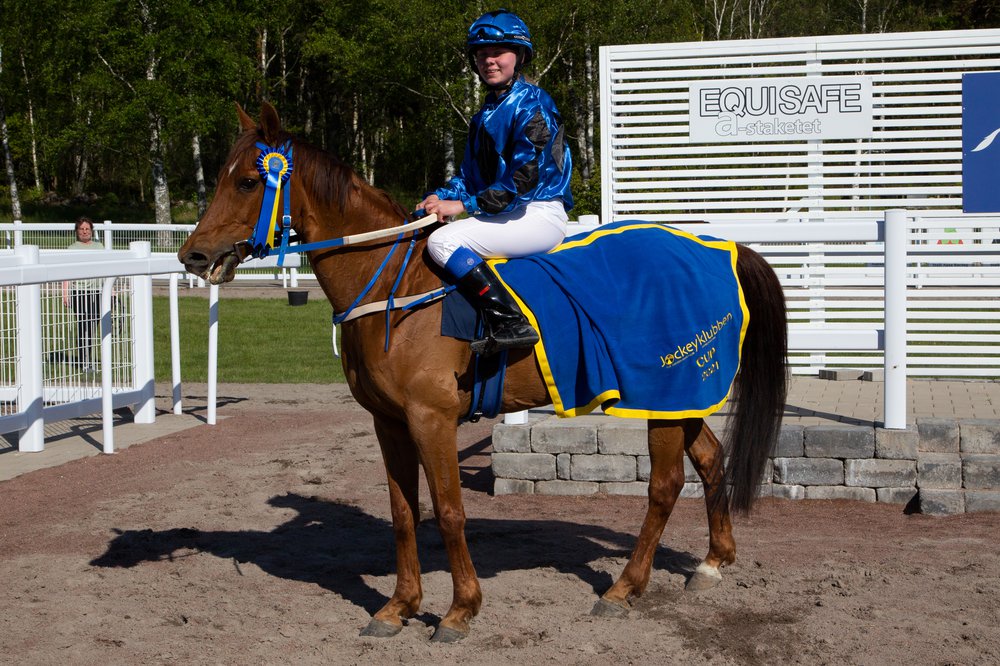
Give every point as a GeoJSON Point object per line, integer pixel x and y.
{"type": "Point", "coordinates": [262, 62]}
{"type": "Point", "coordinates": [15, 199]}
{"type": "Point", "coordinates": [82, 164]}
{"type": "Point", "coordinates": [31, 127]}
{"type": "Point", "coordinates": [199, 175]}
{"type": "Point", "coordinates": [590, 88]}
{"type": "Point", "coordinates": [161, 191]}
{"type": "Point", "coordinates": [449, 155]}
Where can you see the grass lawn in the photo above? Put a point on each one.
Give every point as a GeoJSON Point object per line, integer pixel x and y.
{"type": "Point", "coordinates": [260, 341]}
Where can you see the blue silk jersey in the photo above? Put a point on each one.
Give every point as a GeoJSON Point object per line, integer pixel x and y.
{"type": "Point", "coordinates": [516, 153]}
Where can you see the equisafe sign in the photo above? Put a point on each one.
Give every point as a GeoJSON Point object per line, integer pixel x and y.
{"type": "Point", "coordinates": [780, 109]}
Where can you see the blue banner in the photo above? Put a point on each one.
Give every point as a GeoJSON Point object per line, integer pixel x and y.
{"type": "Point", "coordinates": [981, 142]}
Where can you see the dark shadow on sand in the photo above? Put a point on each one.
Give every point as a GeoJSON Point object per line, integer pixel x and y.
{"type": "Point", "coordinates": [334, 545]}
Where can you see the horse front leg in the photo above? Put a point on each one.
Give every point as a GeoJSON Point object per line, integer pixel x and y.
{"type": "Point", "coordinates": [667, 440]}
{"type": "Point", "coordinates": [706, 455]}
{"type": "Point", "coordinates": [402, 469]}
{"type": "Point", "coordinates": [435, 432]}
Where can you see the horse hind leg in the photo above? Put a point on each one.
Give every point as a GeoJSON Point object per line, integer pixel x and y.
{"type": "Point", "coordinates": [667, 440]}
{"type": "Point", "coordinates": [706, 455]}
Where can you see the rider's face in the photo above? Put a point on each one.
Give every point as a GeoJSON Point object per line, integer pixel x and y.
{"type": "Point", "coordinates": [496, 65]}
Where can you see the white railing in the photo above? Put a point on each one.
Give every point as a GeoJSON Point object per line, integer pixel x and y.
{"type": "Point", "coordinates": [887, 334]}
{"type": "Point", "coordinates": [32, 281]}
{"type": "Point", "coordinates": [162, 238]}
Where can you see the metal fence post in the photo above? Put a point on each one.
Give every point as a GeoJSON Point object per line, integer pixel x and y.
{"type": "Point", "coordinates": [107, 399]}
{"type": "Point", "coordinates": [175, 347]}
{"type": "Point", "coordinates": [213, 351]}
{"type": "Point", "coordinates": [29, 338]}
{"type": "Point", "coordinates": [142, 310]}
{"type": "Point", "coordinates": [896, 237]}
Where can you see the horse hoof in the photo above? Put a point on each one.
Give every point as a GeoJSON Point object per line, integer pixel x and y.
{"type": "Point", "coordinates": [380, 629]}
{"type": "Point", "coordinates": [448, 635]}
{"type": "Point", "coordinates": [703, 578]}
{"type": "Point", "coordinates": [605, 608]}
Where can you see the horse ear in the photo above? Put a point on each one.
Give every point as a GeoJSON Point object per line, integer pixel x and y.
{"type": "Point", "coordinates": [270, 123]}
{"type": "Point", "coordinates": [246, 122]}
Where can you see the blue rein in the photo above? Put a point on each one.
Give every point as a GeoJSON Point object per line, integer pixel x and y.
{"type": "Point", "coordinates": [275, 167]}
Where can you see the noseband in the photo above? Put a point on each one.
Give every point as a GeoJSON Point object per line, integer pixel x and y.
{"type": "Point", "coordinates": [275, 168]}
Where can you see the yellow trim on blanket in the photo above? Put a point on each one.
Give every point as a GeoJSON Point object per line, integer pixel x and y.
{"type": "Point", "coordinates": [612, 394]}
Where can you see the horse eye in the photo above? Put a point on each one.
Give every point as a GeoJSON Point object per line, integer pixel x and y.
{"type": "Point", "coordinates": [247, 184]}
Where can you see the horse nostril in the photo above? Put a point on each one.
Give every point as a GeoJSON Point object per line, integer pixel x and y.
{"type": "Point", "coordinates": [194, 259]}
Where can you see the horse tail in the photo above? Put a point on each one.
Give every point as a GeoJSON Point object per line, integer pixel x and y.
{"type": "Point", "coordinates": [761, 387]}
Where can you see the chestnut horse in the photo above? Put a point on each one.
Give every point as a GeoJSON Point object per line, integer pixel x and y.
{"type": "Point", "coordinates": [419, 386]}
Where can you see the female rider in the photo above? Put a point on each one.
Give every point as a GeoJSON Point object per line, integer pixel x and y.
{"type": "Point", "coordinates": [513, 182]}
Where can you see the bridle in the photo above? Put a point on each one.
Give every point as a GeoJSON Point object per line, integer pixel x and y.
{"type": "Point", "coordinates": [275, 166]}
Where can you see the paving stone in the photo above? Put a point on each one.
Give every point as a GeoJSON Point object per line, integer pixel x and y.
{"type": "Point", "coordinates": [981, 471]}
{"type": "Point", "coordinates": [566, 487]}
{"type": "Point", "coordinates": [635, 488]}
{"type": "Point", "coordinates": [831, 441]}
{"type": "Point", "coordinates": [531, 466]}
{"type": "Point", "coordinates": [693, 490]}
{"type": "Point", "coordinates": [622, 436]}
{"type": "Point", "coordinates": [979, 436]}
{"type": "Point", "coordinates": [792, 492]}
{"type": "Point", "coordinates": [894, 444]}
{"type": "Point", "coordinates": [876, 473]}
{"type": "Point", "coordinates": [895, 495]}
{"type": "Point", "coordinates": [563, 461]}
{"type": "Point", "coordinates": [603, 468]}
{"type": "Point", "coordinates": [764, 490]}
{"type": "Point", "coordinates": [982, 500]}
{"type": "Point", "coordinates": [565, 436]}
{"type": "Point", "coordinates": [875, 375]}
{"type": "Point", "coordinates": [808, 471]}
{"type": "Point", "coordinates": [511, 438]}
{"type": "Point", "coordinates": [790, 442]}
{"type": "Point", "coordinates": [938, 435]}
{"type": "Point", "coordinates": [840, 374]}
{"type": "Point", "coordinates": [941, 502]}
{"type": "Point", "coordinates": [840, 492]}
{"type": "Point", "coordinates": [939, 470]}
{"type": "Point", "coordinates": [513, 487]}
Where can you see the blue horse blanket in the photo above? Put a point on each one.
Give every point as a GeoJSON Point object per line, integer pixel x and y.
{"type": "Point", "coordinates": [639, 318]}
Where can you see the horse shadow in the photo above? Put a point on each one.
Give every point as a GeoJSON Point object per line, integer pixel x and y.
{"type": "Point", "coordinates": [336, 545]}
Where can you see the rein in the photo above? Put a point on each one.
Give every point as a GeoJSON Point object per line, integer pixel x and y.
{"type": "Point", "coordinates": [275, 166]}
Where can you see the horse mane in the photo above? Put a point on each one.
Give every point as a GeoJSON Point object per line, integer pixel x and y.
{"type": "Point", "coordinates": [329, 178]}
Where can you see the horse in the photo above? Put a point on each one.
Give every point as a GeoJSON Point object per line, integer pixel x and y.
{"type": "Point", "coordinates": [419, 385]}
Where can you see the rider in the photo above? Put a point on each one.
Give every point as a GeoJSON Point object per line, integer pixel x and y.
{"type": "Point", "coordinates": [513, 182]}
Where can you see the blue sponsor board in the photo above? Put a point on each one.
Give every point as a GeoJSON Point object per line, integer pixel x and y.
{"type": "Point", "coordinates": [981, 142]}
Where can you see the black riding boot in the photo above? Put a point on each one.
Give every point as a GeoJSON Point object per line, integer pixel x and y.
{"type": "Point", "coordinates": [505, 325]}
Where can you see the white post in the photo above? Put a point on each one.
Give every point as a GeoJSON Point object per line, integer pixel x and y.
{"type": "Point", "coordinates": [896, 237]}
{"type": "Point", "coordinates": [109, 241]}
{"type": "Point", "coordinates": [142, 309]}
{"type": "Point", "coordinates": [107, 399]}
{"type": "Point", "coordinates": [29, 341]}
{"type": "Point", "coordinates": [175, 347]}
{"type": "Point", "coordinates": [18, 233]}
{"type": "Point", "coordinates": [213, 348]}
{"type": "Point", "coordinates": [516, 418]}
{"type": "Point", "coordinates": [295, 277]}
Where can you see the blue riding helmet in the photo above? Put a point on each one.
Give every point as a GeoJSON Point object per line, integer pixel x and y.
{"type": "Point", "coordinates": [499, 28]}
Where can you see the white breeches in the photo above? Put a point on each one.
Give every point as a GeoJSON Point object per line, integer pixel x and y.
{"type": "Point", "coordinates": [531, 229]}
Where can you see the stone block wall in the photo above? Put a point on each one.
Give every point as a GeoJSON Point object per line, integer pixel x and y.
{"type": "Point", "coordinates": [941, 466]}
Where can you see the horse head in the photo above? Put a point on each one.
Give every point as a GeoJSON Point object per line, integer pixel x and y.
{"type": "Point", "coordinates": [211, 252]}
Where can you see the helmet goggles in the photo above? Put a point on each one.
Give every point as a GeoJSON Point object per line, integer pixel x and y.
{"type": "Point", "coordinates": [483, 34]}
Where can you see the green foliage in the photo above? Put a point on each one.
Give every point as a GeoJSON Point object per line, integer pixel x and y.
{"type": "Point", "coordinates": [260, 341]}
{"type": "Point", "coordinates": [382, 83]}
